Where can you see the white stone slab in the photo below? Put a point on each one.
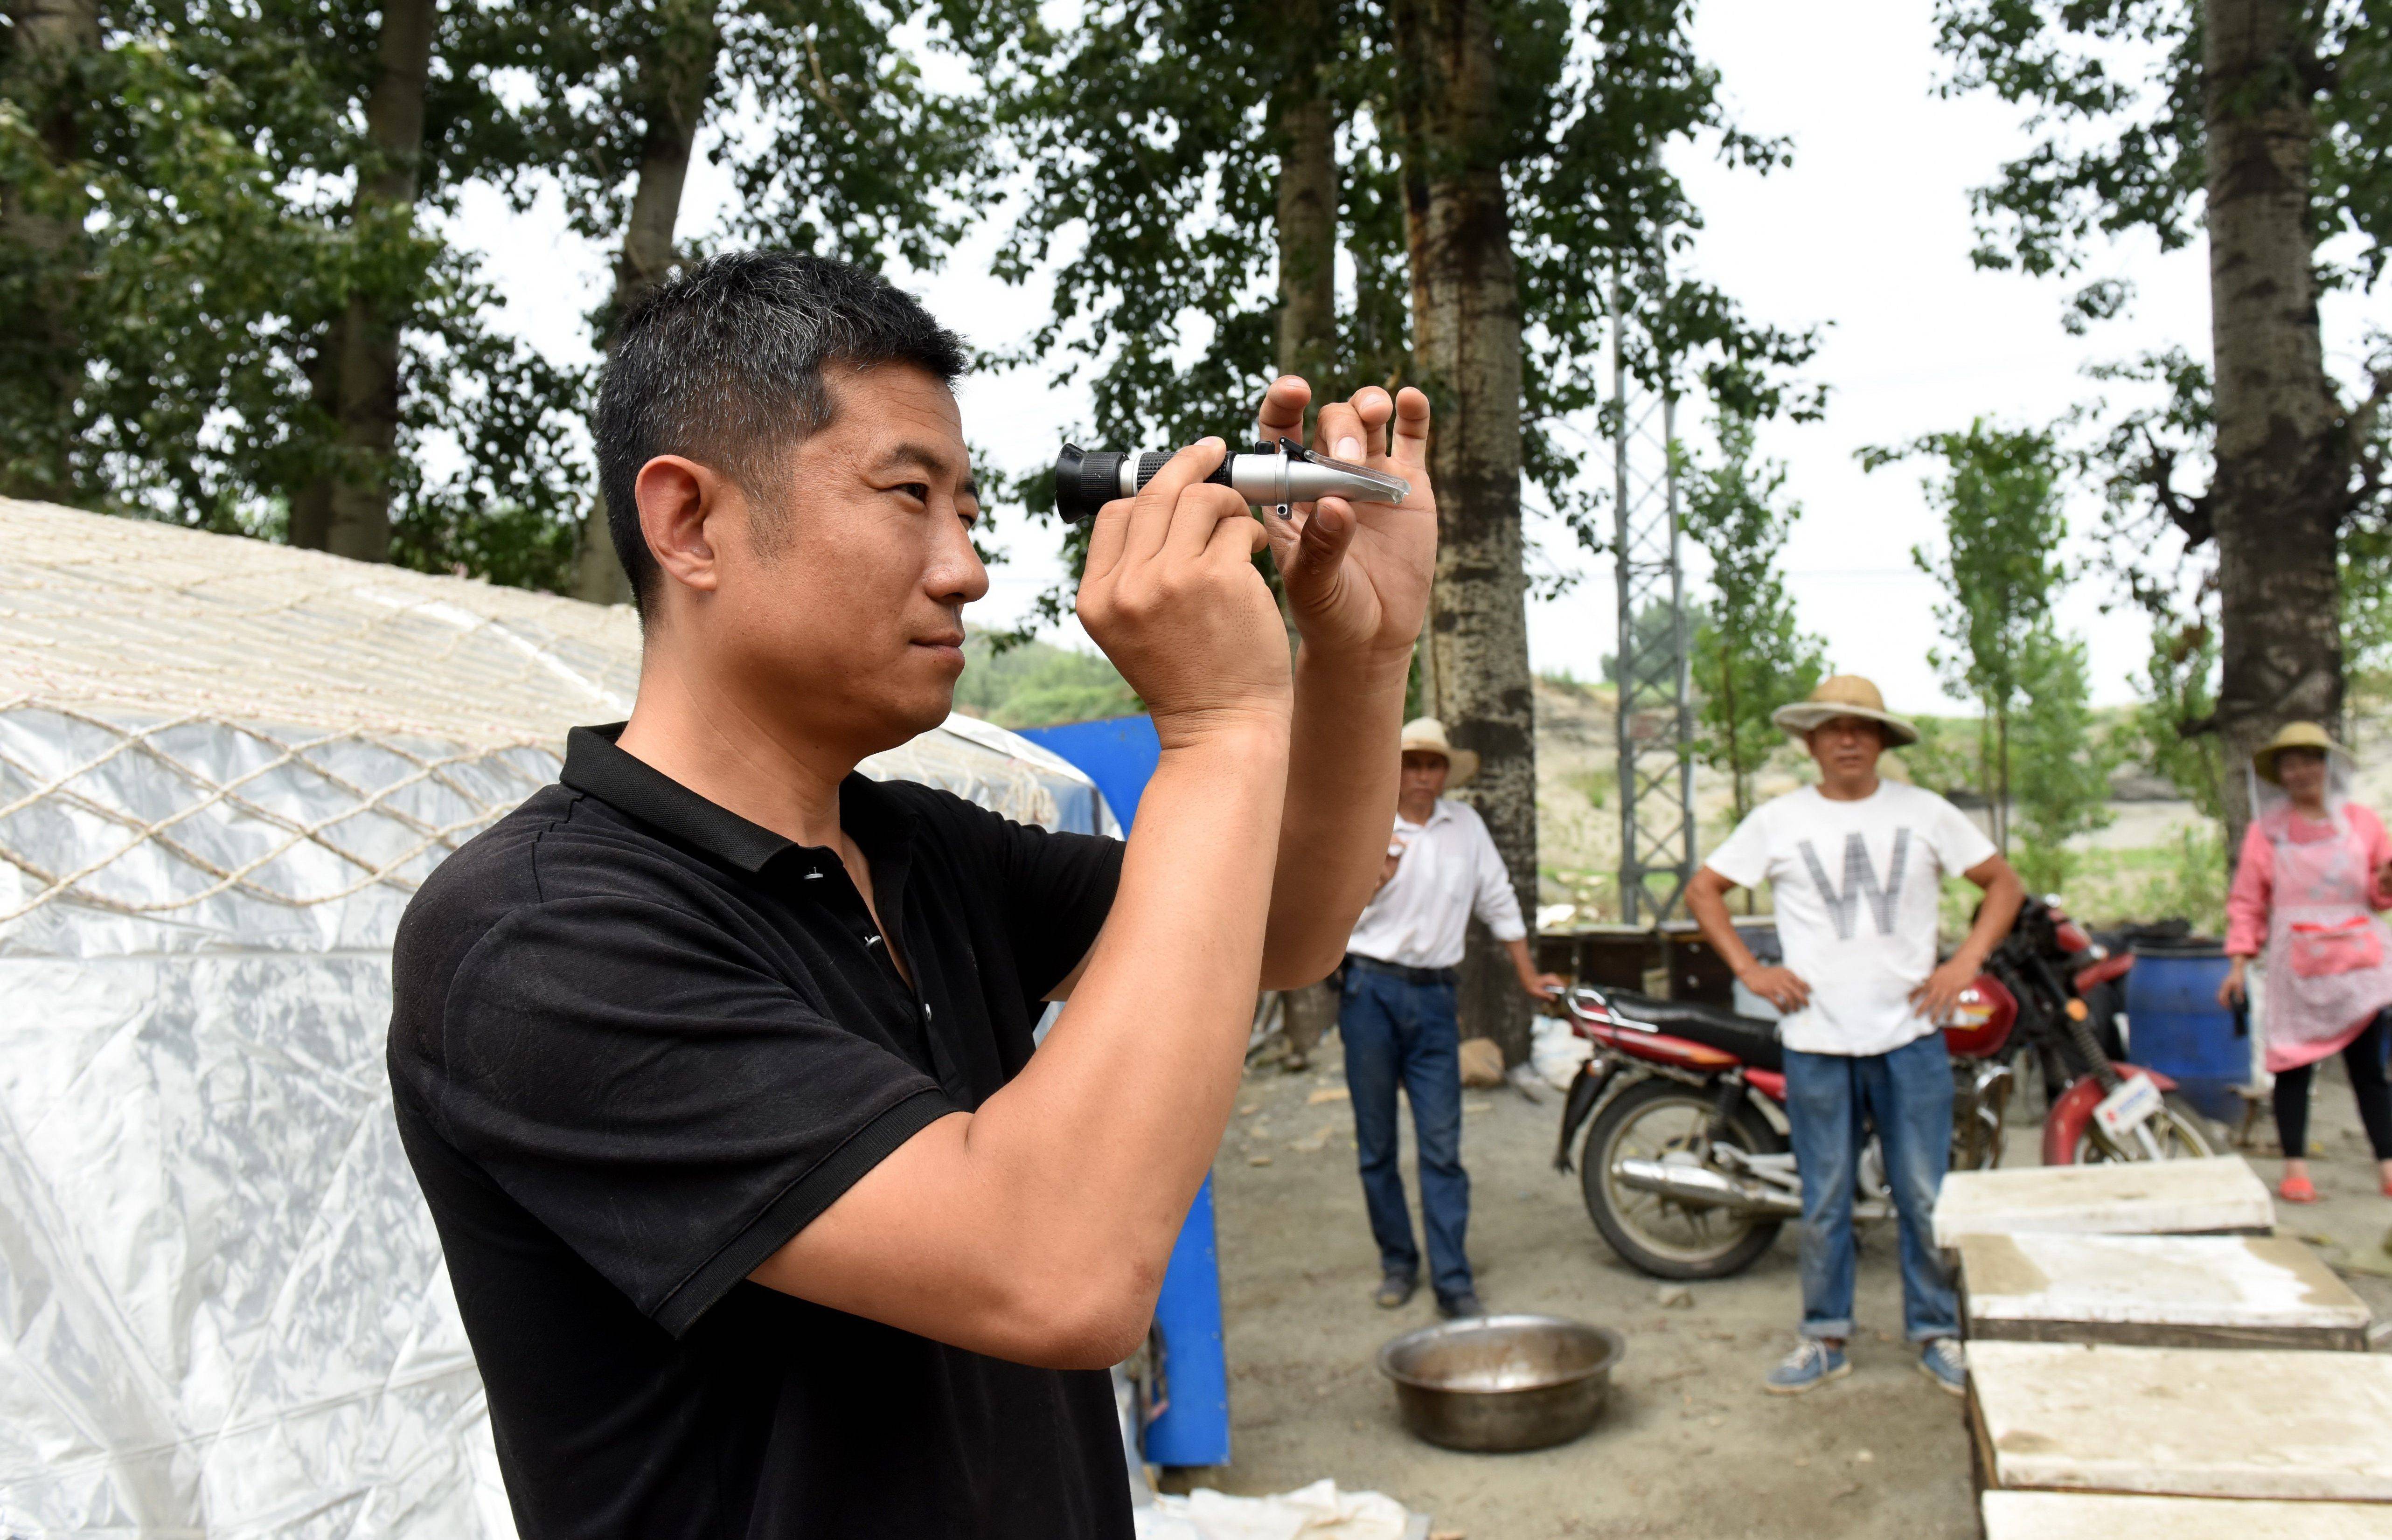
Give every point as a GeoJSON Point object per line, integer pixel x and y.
{"type": "Point", "coordinates": [2095, 1515]}
{"type": "Point", "coordinates": [2042, 1285]}
{"type": "Point", "coordinates": [2185, 1422]}
{"type": "Point", "coordinates": [2147, 1197]}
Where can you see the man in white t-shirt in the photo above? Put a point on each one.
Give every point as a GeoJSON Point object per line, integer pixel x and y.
{"type": "Point", "coordinates": [1855, 865]}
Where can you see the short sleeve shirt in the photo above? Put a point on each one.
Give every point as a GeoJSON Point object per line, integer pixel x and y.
{"type": "Point", "coordinates": [637, 1043]}
{"type": "Point", "coordinates": [1857, 888]}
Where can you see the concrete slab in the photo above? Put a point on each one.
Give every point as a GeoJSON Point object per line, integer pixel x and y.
{"type": "Point", "coordinates": [2181, 1291]}
{"type": "Point", "coordinates": [2092, 1516]}
{"type": "Point", "coordinates": [2142, 1197]}
{"type": "Point", "coordinates": [2185, 1422]}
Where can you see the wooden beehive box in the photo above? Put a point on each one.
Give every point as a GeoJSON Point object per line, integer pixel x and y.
{"type": "Point", "coordinates": [2184, 1422]}
{"type": "Point", "coordinates": [2158, 1291]}
{"type": "Point", "coordinates": [2222, 1194]}
{"type": "Point", "coordinates": [2092, 1516]}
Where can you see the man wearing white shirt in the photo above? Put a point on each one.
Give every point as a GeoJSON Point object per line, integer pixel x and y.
{"type": "Point", "coordinates": [1855, 865]}
{"type": "Point", "coordinates": [1397, 1013]}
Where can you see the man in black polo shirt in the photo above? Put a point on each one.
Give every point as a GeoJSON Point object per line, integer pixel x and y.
{"type": "Point", "coordinates": [714, 1060]}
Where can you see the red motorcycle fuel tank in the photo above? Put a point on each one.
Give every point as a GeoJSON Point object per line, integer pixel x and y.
{"type": "Point", "coordinates": [1981, 1019]}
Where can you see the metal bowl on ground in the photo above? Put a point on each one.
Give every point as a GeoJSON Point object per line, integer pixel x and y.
{"type": "Point", "coordinates": [1502, 1382]}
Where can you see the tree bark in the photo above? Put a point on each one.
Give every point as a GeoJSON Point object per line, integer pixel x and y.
{"type": "Point", "coordinates": [1308, 208]}
{"type": "Point", "coordinates": [1466, 349]}
{"type": "Point", "coordinates": [677, 80]}
{"type": "Point", "coordinates": [2282, 481]}
{"type": "Point", "coordinates": [347, 512]}
{"type": "Point", "coordinates": [52, 37]}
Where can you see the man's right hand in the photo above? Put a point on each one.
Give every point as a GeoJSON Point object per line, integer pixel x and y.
{"type": "Point", "coordinates": [1170, 593]}
{"type": "Point", "coordinates": [1781, 987]}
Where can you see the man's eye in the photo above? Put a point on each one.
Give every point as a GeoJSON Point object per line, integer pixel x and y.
{"type": "Point", "coordinates": [917, 490]}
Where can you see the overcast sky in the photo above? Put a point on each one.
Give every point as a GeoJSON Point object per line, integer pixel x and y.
{"type": "Point", "coordinates": [1867, 233]}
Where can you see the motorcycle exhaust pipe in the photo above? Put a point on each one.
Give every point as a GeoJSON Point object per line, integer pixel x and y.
{"type": "Point", "coordinates": [1701, 1187]}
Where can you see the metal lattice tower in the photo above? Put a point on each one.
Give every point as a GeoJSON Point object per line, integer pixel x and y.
{"type": "Point", "coordinates": [1656, 726]}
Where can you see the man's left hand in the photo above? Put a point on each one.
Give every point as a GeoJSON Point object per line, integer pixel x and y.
{"type": "Point", "coordinates": [1545, 986]}
{"type": "Point", "coordinates": [1356, 574]}
{"type": "Point", "coordinates": [1935, 998]}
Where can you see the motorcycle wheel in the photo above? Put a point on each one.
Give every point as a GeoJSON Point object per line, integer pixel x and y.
{"type": "Point", "coordinates": [2177, 1130]}
{"type": "Point", "coordinates": [1652, 1234]}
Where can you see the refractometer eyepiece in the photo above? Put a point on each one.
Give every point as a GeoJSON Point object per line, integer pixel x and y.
{"type": "Point", "coordinates": [1087, 479]}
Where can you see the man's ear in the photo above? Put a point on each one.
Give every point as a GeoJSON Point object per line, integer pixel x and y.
{"type": "Point", "coordinates": [680, 501]}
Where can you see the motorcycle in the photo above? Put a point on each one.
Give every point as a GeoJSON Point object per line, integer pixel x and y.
{"type": "Point", "coordinates": [1686, 1167]}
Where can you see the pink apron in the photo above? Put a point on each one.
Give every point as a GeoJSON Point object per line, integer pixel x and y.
{"type": "Point", "coordinates": [2329, 957]}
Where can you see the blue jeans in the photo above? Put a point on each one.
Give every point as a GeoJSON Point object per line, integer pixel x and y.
{"type": "Point", "coordinates": [1831, 1100]}
{"type": "Point", "coordinates": [1398, 1032]}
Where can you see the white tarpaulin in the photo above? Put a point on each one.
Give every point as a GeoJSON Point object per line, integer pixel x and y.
{"type": "Point", "coordinates": [224, 768]}
{"type": "Point", "coordinates": [1315, 1512]}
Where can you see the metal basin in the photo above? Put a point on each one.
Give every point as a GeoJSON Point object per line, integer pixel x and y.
{"type": "Point", "coordinates": [1499, 1382]}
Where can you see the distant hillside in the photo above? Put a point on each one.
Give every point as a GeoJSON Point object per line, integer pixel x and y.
{"type": "Point", "coordinates": [1038, 685]}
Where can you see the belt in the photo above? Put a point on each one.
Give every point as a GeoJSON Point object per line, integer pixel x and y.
{"type": "Point", "coordinates": [1410, 975]}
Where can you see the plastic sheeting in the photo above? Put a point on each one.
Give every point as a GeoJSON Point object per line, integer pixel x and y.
{"type": "Point", "coordinates": [1315, 1512]}
{"type": "Point", "coordinates": [222, 1305]}
{"type": "Point", "coordinates": [223, 1311]}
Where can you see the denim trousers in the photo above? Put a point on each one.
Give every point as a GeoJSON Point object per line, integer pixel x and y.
{"type": "Point", "coordinates": [1832, 1100]}
{"type": "Point", "coordinates": [1398, 1032]}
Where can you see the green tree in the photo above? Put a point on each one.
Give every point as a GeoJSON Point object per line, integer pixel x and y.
{"type": "Point", "coordinates": [1751, 656]}
{"type": "Point", "coordinates": [843, 149]}
{"type": "Point", "coordinates": [2259, 124]}
{"type": "Point", "coordinates": [2063, 762]}
{"type": "Point", "coordinates": [1946, 759]}
{"type": "Point", "coordinates": [244, 185]}
{"type": "Point", "coordinates": [1998, 568]}
{"type": "Point", "coordinates": [2178, 691]}
{"type": "Point", "coordinates": [1035, 684]}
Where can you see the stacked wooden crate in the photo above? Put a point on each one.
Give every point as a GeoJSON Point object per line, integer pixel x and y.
{"type": "Point", "coordinates": [2144, 1357]}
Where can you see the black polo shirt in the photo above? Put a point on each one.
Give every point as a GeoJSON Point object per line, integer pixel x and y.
{"type": "Point", "coordinates": [637, 1043]}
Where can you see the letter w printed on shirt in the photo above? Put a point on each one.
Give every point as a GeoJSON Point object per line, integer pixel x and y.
{"type": "Point", "coordinates": [1859, 882]}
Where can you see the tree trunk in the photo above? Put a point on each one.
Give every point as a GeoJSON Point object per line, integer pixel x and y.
{"type": "Point", "coordinates": [1307, 213]}
{"type": "Point", "coordinates": [2002, 781]}
{"type": "Point", "coordinates": [679, 79]}
{"type": "Point", "coordinates": [52, 37]}
{"type": "Point", "coordinates": [2280, 486]}
{"type": "Point", "coordinates": [1304, 124]}
{"type": "Point", "coordinates": [347, 512]}
{"type": "Point", "coordinates": [1467, 348]}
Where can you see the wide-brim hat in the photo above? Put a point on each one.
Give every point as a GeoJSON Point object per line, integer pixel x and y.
{"type": "Point", "coordinates": [1426, 736]}
{"type": "Point", "coordinates": [1843, 695]}
{"type": "Point", "coordinates": [2293, 735]}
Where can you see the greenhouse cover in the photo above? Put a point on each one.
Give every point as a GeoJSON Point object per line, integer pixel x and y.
{"type": "Point", "coordinates": [225, 766]}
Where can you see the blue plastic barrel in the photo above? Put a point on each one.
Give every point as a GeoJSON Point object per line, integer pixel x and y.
{"type": "Point", "coordinates": [2174, 1025]}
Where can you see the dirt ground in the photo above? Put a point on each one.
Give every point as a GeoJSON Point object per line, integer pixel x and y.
{"type": "Point", "coordinates": [1689, 1444]}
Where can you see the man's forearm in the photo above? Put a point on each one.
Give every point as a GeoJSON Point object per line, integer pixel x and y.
{"type": "Point", "coordinates": [1340, 808]}
{"type": "Point", "coordinates": [1037, 1228]}
{"type": "Point", "coordinates": [1995, 916]}
{"type": "Point", "coordinates": [1706, 906]}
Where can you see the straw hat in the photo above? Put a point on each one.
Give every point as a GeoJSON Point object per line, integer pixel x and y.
{"type": "Point", "coordinates": [1844, 695]}
{"type": "Point", "coordinates": [2293, 735]}
{"type": "Point", "coordinates": [1426, 736]}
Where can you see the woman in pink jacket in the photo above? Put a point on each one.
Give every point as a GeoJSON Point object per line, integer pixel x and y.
{"type": "Point", "coordinates": [2315, 868]}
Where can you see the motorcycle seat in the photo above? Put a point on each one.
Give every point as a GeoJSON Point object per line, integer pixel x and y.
{"type": "Point", "coordinates": [1750, 1038]}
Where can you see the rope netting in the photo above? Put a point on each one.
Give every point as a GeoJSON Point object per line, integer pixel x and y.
{"type": "Point", "coordinates": [189, 717]}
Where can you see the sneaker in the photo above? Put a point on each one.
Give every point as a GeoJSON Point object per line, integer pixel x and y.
{"type": "Point", "coordinates": [1943, 1361]}
{"type": "Point", "coordinates": [1811, 1365]}
{"type": "Point", "coordinates": [1394, 1291]}
{"type": "Point", "coordinates": [1455, 1307]}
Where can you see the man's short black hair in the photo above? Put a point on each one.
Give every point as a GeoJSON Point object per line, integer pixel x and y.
{"type": "Point", "coordinates": [724, 364]}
